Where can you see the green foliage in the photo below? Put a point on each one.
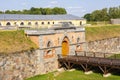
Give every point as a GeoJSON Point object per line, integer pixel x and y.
{"type": "Point", "coordinates": [57, 10]}
{"type": "Point", "coordinates": [43, 11]}
{"type": "Point", "coordinates": [1, 12]}
{"type": "Point", "coordinates": [104, 14]}
{"type": "Point", "coordinates": [88, 17]}
{"type": "Point", "coordinates": [75, 75]}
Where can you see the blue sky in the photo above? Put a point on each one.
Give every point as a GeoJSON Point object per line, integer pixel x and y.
{"type": "Point", "coordinates": [75, 7]}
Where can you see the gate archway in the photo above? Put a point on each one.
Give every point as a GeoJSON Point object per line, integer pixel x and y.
{"type": "Point", "coordinates": [65, 47]}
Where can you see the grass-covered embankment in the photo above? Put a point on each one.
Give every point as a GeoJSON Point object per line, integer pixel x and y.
{"type": "Point", "coordinates": [14, 41]}
{"type": "Point", "coordinates": [115, 56]}
{"type": "Point", "coordinates": [74, 75]}
{"type": "Point", "coordinates": [102, 32]}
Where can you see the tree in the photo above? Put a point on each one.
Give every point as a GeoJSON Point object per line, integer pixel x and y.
{"type": "Point", "coordinates": [1, 12]}
{"type": "Point", "coordinates": [7, 12]}
{"type": "Point", "coordinates": [48, 11]}
{"type": "Point", "coordinates": [104, 14]}
{"type": "Point", "coordinates": [88, 17]}
{"type": "Point", "coordinates": [33, 10]}
{"type": "Point", "coordinates": [57, 10]}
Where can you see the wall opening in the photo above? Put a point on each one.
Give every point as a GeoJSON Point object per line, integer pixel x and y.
{"type": "Point", "coordinates": [22, 23]}
{"type": "Point", "coordinates": [48, 22]}
{"type": "Point", "coordinates": [29, 23]}
{"type": "Point", "coordinates": [53, 22]}
{"type": "Point", "coordinates": [49, 44]}
{"type": "Point", "coordinates": [8, 24]}
{"type": "Point", "coordinates": [80, 22]}
{"type": "Point", "coordinates": [15, 23]}
{"type": "Point", "coordinates": [78, 40]}
{"type": "Point", "coordinates": [65, 47]}
{"type": "Point", "coordinates": [0, 24]}
{"type": "Point", "coordinates": [42, 23]}
{"type": "Point", "coordinates": [36, 23]}
{"type": "Point", "coordinates": [79, 48]}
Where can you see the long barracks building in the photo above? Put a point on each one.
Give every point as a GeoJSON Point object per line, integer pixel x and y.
{"type": "Point", "coordinates": [38, 21]}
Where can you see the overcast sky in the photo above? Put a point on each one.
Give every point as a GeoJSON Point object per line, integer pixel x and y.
{"type": "Point", "coordinates": [75, 7]}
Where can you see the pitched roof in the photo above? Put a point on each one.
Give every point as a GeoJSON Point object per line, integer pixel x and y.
{"type": "Point", "coordinates": [38, 17]}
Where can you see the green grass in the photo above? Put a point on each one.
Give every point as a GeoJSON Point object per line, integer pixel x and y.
{"type": "Point", "coordinates": [102, 32]}
{"type": "Point", "coordinates": [14, 41]}
{"type": "Point", "coordinates": [74, 75]}
{"type": "Point", "coordinates": [42, 77]}
{"type": "Point", "coordinates": [115, 56]}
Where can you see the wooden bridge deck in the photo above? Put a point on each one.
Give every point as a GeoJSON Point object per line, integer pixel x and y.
{"type": "Point", "coordinates": [105, 64]}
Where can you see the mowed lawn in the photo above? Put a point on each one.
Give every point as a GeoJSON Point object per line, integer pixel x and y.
{"type": "Point", "coordinates": [74, 75]}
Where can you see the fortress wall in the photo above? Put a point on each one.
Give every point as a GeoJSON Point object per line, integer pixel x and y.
{"type": "Point", "coordinates": [18, 66]}
{"type": "Point", "coordinates": [105, 45]}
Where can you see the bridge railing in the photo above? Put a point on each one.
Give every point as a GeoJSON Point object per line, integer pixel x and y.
{"type": "Point", "coordinates": [96, 54]}
{"type": "Point", "coordinates": [92, 54]}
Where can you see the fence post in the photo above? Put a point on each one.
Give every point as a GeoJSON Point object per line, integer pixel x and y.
{"type": "Point", "coordinates": [104, 55]}
{"type": "Point", "coordinates": [94, 54]}
{"type": "Point", "coordinates": [85, 53]}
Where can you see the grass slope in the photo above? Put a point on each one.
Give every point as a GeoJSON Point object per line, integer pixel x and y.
{"type": "Point", "coordinates": [14, 41]}
{"type": "Point", "coordinates": [102, 32]}
{"type": "Point", "coordinates": [115, 56]}
{"type": "Point", "coordinates": [74, 75]}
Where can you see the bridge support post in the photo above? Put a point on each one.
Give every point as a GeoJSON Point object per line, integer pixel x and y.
{"type": "Point", "coordinates": [85, 67]}
{"type": "Point", "coordinates": [105, 70]}
{"type": "Point", "coordinates": [68, 65]}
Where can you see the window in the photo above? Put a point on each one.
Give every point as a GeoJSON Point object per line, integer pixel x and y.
{"type": "Point", "coordinates": [70, 22]}
{"type": "Point", "coordinates": [29, 23]}
{"type": "Point", "coordinates": [15, 23]}
{"type": "Point", "coordinates": [0, 24]}
{"type": "Point", "coordinates": [78, 40]}
{"type": "Point", "coordinates": [49, 44]}
{"type": "Point", "coordinates": [49, 52]}
{"type": "Point", "coordinates": [80, 22]}
{"type": "Point", "coordinates": [8, 24]}
{"type": "Point", "coordinates": [42, 23]}
{"type": "Point", "coordinates": [21, 23]}
{"type": "Point", "coordinates": [36, 23]}
{"type": "Point", "coordinates": [48, 22]}
{"type": "Point", "coordinates": [79, 47]}
{"type": "Point", "coordinates": [53, 23]}
{"type": "Point", "coordinates": [72, 37]}
{"type": "Point", "coordinates": [58, 40]}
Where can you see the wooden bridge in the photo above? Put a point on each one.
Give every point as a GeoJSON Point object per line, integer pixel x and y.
{"type": "Point", "coordinates": [86, 62]}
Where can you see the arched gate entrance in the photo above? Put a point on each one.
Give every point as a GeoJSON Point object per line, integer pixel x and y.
{"type": "Point", "coordinates": [65, 47]}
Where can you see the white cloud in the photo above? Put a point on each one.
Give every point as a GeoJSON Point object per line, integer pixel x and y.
{"type": "Point", "coordinates": [48, 6]}
{"type": "Point", "coordinates": [83, 11]}
{"type": "Point", "coordinates": [74, 7]}
{"type": "Point", "coordinates": [53, 2]}
{"type": "Point", "coordinates": [24, 4]}
{"type": "Point", "coordinates": [76, 10]}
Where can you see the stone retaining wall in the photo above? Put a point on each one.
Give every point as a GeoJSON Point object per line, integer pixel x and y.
{"type": "Point", "coordinates": [105, 45]}
{"type": "Point", "coordinates": [18, 66]}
